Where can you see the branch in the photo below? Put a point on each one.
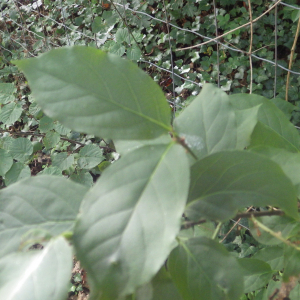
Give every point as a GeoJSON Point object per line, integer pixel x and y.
{"type": "Point", "coordinates": [251, 214]}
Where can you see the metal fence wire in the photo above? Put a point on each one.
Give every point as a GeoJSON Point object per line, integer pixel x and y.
{"type": "Point", "coordinates": [28, 28]}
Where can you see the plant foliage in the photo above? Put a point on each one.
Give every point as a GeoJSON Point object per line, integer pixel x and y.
{"type": "Point", "coordinates": [147, 228]}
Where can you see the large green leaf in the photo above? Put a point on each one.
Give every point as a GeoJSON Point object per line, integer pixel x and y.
{"type": "Point", "coordinates": [202, 269]}
{"type": "Point", "coordinates": [130, 218]}
{"type": "Point", "coordinates": [37, 275]}
{"type": "Point", "coordinates": [225, 181]}
{"type": "Point", "coordinates": [208, 124]}
{"type": "Point", "coordinates": [269, 114]}
{"type": "Point", "coordinates": [257, 273]}
{"type": "Point", "coordinates": [289, 162]}
{"type": "Point", "coordinates": [47, 202]}
{"type": "Point", "coordinates": [98, 93]}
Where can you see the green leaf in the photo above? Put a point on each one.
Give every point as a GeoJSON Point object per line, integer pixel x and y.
{"type": "Point", "coordinates": [295, 15]}
{"type": "Point", "coordinates": [51, 139]}
{"type": "Point", "coordinates": [46, 124]}
{"type": "Point", "coordinates": [97, 25]}
{"type": "Point", "coordinates": [282, 224]}
{"type": "Point", "coordinates": [257, 273]}
{"type": "Point", "coordinates": [62, 130]}
{"type": "Point", "coordinates": [134, 53]}
{"type": "Point", "coordinates": [286, 107]}
{"type": "Point", "coordinates": [6, 162]}
{"type": "Point", "coordinates": [37, 275]}
{"type": "Point", "coordinates": [117, 49]}
{"type": "Point", "coordinates": [160, 288]}
{"type": "Point", "coordinates": [269, 115]}
{"type": "Point", "coordinates": [209, 123]}
{"type": "Point", "coordinates": [289, 162]}
{"type": "Point", "coordinates": [263, 135]}
{"type": "Point", "coordinates": [6, 92]}
{"type": "Point", "coordinates": [272, 255]}
{"type": "Point", "coordinates": [77, 86]}
{"type": "Point", "coordinates": [83, 177]}
{"type": "Point", "coordinates": [17, 172]}
{"type": "Point", "coordinates": [20, 149]}
{"type": "Point", "coordinates": [202, 269]}
{"type": "Point", "coordinates": [130, 218]}
{"type": "Point", "coordinates": [291, 262]}
{"type": "Point", "coordinates": [246, 120]}
{"type": "Point", "coordinates": [123, 146]}
{"type": "Point", "coordinates": [223, 182]}
{"type": "Point", "coordinates": [47, 202]}
{"type": "Point", "coordinates": [10, 113]}
{"type": "Point", "coordinates": [122, 35]}
{"type": "Point", "coordinates": [51, 171]}
{"type": "Point", "coordinates": [90, 156]}
{"type": "Point", "coordinates": [62, 160]}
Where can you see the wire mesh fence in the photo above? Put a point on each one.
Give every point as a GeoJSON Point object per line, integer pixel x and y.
{"type": "Point", "coordinates": [181, 54]}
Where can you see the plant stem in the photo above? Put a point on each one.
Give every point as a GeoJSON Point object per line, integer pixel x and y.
{"type": "Point", "coordinates": [216, 230]}
{"type": "Point", "coordinates": [277, 235]}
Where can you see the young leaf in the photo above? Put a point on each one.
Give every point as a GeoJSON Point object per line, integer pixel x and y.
{"type": "Point", "coordinates": [269, 115]}
{"type": "Point", "coordinates": [202, 269]}
{"type": "Point", "coordinates": [51, 203]}
{"type": "Point", "coordinates": [97, 93]}
{"type": "Point", "coordinates": [223, 182]}
{"type": "Point", "coordinates": [208, 124]}
{"type": "Point", "coordinates": [130, 218]}
{"type": "Point", "coordinates": [23, 274]}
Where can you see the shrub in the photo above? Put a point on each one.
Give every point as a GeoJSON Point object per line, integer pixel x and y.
{"type": "Point", "coordinates": [139, 231]}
